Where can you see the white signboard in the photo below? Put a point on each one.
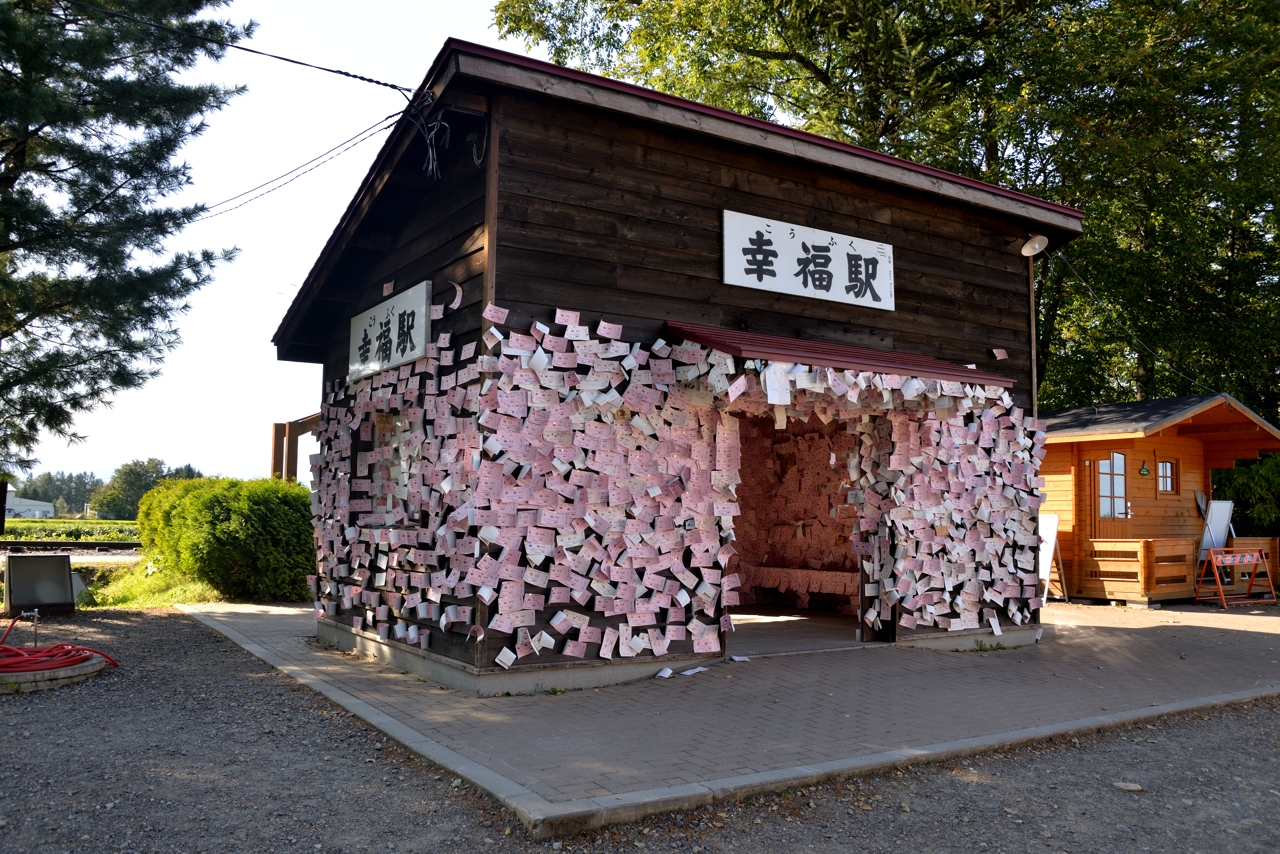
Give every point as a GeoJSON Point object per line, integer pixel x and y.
{"type": "Point", "coordinates": [391, 333]}
{"type": "Point", "coordinates": [785, 258]}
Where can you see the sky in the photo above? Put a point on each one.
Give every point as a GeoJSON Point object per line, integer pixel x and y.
{"type": "Point", "coordinates": [222, 388]}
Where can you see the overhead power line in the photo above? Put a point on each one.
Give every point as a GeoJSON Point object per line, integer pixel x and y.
{"type": "Point", "coordinates": [339, 149]}
{"type": "Point", "coordinates": [308, 163]}
{"type": "Point", "coordinates": [403, 90]}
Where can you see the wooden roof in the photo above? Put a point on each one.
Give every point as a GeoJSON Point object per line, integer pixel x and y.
{"type": "Point", "coordinates": [524, 72]}
{"type": "Point", "coordinates": [1229, 430]}
{"type": "Point", "coordinates": [459, 59]}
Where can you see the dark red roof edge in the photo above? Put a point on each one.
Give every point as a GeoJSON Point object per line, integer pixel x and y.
{"type": "Point", "coordinates": [453, 44]}
{"type": "Point", "coordinates": [751, 345]}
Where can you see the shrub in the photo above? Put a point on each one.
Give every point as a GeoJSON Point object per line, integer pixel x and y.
{"type": "Point", "coordinates": [246, 539]}
{"type": "Point", "coordinates": [155, 512]}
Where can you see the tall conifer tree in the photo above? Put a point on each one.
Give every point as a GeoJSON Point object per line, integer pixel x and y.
{"type": "Point", "coordinates": [92, 119]}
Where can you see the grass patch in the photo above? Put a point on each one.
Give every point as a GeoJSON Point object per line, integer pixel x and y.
{"type": "Point", "coordinates": [131, 587]}
{"type": "Point", "coordinates": [979, 646]}
{"type": "Point", "coordinates": [70, 529]}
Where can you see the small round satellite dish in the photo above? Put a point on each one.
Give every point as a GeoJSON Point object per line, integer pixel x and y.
{"type": "Point", "coordinates": [1035, 244]}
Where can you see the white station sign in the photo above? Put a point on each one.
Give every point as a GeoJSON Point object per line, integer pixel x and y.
{"type": "Point", "coordinates": [771, 255]}
{"type": "Point", "coordinates": [391, 333]}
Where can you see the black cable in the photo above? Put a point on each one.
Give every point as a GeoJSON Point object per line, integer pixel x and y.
{"type": "Point", "coordinates": [1132, 334]}
{"type": "Point", "coordinates": [401, 89]}
{"type": "Point", "coordinates": [302, 165]}
{"type": "Point", "coordinates": [365, 137]}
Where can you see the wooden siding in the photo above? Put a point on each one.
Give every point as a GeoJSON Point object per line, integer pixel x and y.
{"type": "Point", "coordinates": [1070, 487]}
{"type": "Point", "coordinates": [436, 231]}
{"type": "Point", "coordinates": [621, 218]}
{"type": "Point", "coordinates": [1058, 472]}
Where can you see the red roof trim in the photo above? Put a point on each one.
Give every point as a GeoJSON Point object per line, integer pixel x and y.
{"type": "Point", "coordinates": [751, 345]}
{"type": "Point", "coordinates": [453, 44]}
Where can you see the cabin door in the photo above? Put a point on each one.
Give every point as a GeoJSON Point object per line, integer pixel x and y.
{"type": "Point", "coordinates": [1111, 509]}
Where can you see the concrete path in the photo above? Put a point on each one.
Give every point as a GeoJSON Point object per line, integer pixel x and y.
{"type": "Point", "coordinates": [586, 758]}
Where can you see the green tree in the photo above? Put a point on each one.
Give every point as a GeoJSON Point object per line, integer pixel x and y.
{"type": "Point", "coordinates": [73, 488]}
{"type": "Point", "coordinates": [91, 121]}
{"type": "Point", "coordinates": [119, 498]}
{"type": "Point", "coordinates": [868, 71]}
{"type": "Point", "coordinates": [1254, 486]}
{"type": "Point", "coordinates": [1158, 119]}
{"type": "Point", "coordinates": [1165, 119]}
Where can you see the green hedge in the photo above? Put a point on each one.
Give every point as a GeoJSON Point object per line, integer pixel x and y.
{"type": "Point", "coordinates": [248, 539]}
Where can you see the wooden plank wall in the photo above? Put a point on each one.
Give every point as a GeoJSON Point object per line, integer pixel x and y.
{"type": "Point", "coordinates": [1157, 516]}
{"type": "Point", "coordinates": [1059, 497]}
{"type": "Point", "coordinates": [618, 217]}
{"type": "Point", "coordinates": [439, 235]}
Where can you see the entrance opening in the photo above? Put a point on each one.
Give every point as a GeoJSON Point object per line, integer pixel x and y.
{"type": "Point", "coordinates": [802, 588]}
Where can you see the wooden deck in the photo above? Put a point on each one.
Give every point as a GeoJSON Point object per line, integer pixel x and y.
{"type": "Point", "coordinates": [1148, 570]}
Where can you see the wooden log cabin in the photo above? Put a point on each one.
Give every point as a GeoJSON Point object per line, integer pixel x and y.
{"type": "Point", "coordinates": [1124, 479]}
{"type": "Point", "coordinates": [535, 202]}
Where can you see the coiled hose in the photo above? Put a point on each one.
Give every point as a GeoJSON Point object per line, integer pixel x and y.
{"type": "Point", "coordinates": [34, 659]}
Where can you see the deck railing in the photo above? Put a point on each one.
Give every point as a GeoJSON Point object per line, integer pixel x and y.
{"type": "Point", "coordinates": [1137, 569]}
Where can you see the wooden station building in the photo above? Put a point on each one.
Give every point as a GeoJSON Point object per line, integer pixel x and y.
{"type": "Point", "coordinates": [554, 195]}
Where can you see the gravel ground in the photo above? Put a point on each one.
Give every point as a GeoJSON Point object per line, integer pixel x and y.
{"type": "Point", "coordinates": [194, 745]}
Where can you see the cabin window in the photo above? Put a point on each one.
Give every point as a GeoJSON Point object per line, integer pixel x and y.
{"type": "Point", "coordinates": [1112, 497]}
{"type": "Point", "coordinates": [1167, 477]}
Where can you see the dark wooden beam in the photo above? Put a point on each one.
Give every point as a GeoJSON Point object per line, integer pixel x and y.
{"type": "Point", "coordinates": [1228, 460]}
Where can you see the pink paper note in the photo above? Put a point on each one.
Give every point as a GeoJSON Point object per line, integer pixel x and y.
{"type": "Point", "coordinates": [707, 643]}
{"type": "Point", "coordinates": [608, 642]}
{"type": "Point", "coordinates": [609, 330]}
{"type": "Point", "coordinates": [495, 314]}
{"type": "Point", "coordinates": [567, 318]}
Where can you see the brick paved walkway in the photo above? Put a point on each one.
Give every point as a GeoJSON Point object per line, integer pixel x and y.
{"type": "Point", "coordinates": [799, 710]}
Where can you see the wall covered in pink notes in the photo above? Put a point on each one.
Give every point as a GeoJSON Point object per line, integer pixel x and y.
{"type": "Point", "coordinates": [559, 494]}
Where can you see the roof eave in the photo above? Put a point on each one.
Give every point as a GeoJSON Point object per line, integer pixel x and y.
{"type": "Point", "coordinates": [501, 67]}
{"type": "Point", "coordinates": [523, 72]}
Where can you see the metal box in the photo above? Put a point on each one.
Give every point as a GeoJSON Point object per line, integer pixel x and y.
{"type": "Point", "coordinates": [38, 581]}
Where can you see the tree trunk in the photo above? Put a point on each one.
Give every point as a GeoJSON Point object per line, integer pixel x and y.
{"type": "Point", "coordinates": [1048, 306]}
{"type": "Point", "coordinates": [1143, 375]}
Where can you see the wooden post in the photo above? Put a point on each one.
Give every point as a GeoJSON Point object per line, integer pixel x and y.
{"type": "Point", "coordinates": [291, 451]}
{"type": "Point", "coordinates": [4, 501]}
{"type": "Point", "coordinates": [1147, 572]}
{"type": "Point", "coordinates": [277, 450]}
{"type": "Point", "coordinates": [1035, 386]}
{"type": "Point", "coordinates": [292, 431]}
{"type": "Point", "coordinates": [489, 285]}
{"type": "Point", "coordinates": [1077, 526]}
